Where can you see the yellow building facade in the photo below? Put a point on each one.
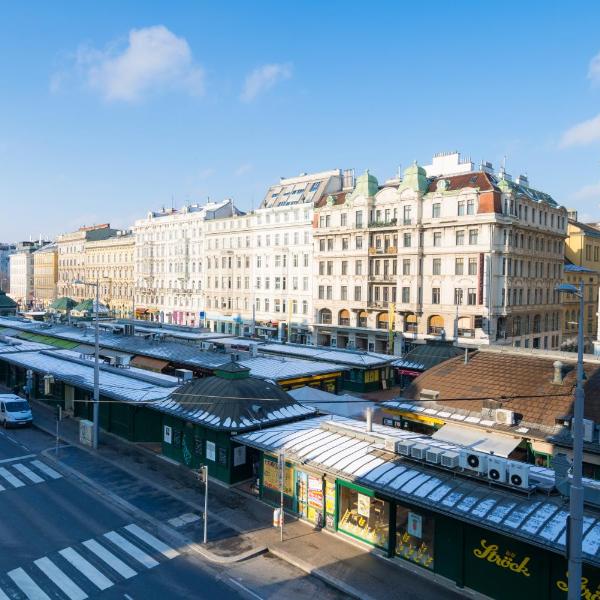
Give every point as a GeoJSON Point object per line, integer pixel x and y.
{"type": "Point", "coordinates": [45, 276]}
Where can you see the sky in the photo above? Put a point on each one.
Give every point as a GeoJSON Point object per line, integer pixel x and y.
{"type": "Point", "coordinates": [111, 109]}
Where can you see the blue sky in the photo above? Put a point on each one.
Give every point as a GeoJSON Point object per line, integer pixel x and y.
{"type": "Point", "coordinates": [110, 109]}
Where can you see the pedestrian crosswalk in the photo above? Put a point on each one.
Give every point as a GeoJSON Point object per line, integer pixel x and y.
{"type": "Point", "coordinates": [87, 568]}
{"type": "Point", "coordinates": [19, 474]}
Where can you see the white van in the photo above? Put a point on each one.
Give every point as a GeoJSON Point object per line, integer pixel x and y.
{"type": "Point", "coordinates": [14, 411]}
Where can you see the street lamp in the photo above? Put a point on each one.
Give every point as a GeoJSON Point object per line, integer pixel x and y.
{"type": "Point", "coordinates": [575, 537]}
{"type": "Point", "coordinates": [96, 405]}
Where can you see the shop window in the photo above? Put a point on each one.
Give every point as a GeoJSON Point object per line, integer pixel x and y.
{"type": "Point", "coordinates": [414, 537]}
{"type": "Point", "coordinates": [364, 517]}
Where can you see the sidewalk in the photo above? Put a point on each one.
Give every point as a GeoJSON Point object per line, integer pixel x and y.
{"type": "Point", "coordinates": [240, 525]}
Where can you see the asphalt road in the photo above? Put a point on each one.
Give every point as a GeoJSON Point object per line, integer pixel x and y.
{"type": "Point", "coordinates": [62, 540]}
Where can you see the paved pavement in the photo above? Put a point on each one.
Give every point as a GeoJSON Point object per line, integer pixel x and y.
{"type": "Point", "coordinates": [239, 527]}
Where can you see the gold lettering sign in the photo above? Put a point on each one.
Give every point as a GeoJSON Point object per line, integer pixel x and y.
{"type": "Point", "coordinates": [586, 592]}
{"type": "Point", "coordinates": [489, 553]}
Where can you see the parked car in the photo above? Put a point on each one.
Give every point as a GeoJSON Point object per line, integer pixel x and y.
{"type": "Point", "coordinates": [14, 411]}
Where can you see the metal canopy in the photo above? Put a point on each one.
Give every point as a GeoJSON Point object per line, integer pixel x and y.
{"type": "Point", "coordinates": [477, 439]}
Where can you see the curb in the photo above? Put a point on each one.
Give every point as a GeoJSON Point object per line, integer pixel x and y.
{"type": "Point", "coordinates": [319, 574]}
{"type": "Point", "coordinates": [227, 560]}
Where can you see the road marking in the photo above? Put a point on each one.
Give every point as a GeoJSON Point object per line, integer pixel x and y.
{"type": "Point", "coordinates": [86, 568]}
{"type": "Point", "coordinates": [28, 473]}
{"type": "Point", "coordinates": [14, 481]}
{"type": "Point", "coordinates": [127, 597]}
{"type": "Point", "coordinates": [152, 541]}
{"type": "Point", "coordinates": [3, 596]}
{"type": "Point", "coordinates": [130, 549]}
{"type": "Point", "coordinates": [27, 585]}
{"type": "Point", "coordinates": [242, 586]}
{"type": "Point", "coordinates": [44, 468]}
{"type": "Point", "coordinates": [110, 559]}
{"type": "Point", "coordinates": [7, 460]}
{"type": "Point", "coordinates": [65, 584]}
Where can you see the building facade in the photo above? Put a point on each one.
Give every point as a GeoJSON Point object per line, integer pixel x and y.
{"type": "Point", "coordinates": [5, 251]}
{"type": "Point", "coordinates": [169, 262]}
{"type": "Point", "coordinates": [259, 266]}
{"type": "Point", "coordinates": [45, 276]}
{"type": "Point", "coordinates": [110, 262]}
{"type": "Point", "coordinates": [21, 274]}
{"type": "Point", "coordinates": [473, 256]}
{"type": "Point", "coordinates": [72, 260]}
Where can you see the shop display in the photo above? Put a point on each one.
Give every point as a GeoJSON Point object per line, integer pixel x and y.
{"type": "Point", "coordinates": [364, 517]}
{"type": "Point", "coordinates": [414, 537]}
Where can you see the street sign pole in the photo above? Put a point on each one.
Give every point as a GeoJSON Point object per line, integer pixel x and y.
{"type": "Point", "coordinates": [58, 419]}
{"type": "Point", "coordinates": [205, 469]}
{"type": "Point", "coordinates": [282, 478]}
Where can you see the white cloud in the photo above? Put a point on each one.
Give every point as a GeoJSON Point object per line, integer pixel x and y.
{"type": "Point", "coordinates": [154, 59]}
{"type": "Point", "coordinates": [594, 69]}
{"type": "Point", "coordinates": [582, 133]}
{"type": "Point", "coordinates": [243, 169]}
{"type": "Point", "coordinates": [588, 191]}
{"type": "Point", "coordinates": [264, 78]}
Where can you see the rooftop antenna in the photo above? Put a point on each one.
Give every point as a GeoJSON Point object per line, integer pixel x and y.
{"type": "Point", "coordinates": [172, 202]}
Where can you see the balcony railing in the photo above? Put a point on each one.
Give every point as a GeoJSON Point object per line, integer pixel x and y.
{"type": "Point", "coordinates": [466, 333]}
{"type": "Point", "coordinates": [388, 223]}
{"type": "Point", "coordinates": [434, 330]}
{"type": "Point", "coordinates": [384, 250]}
{"type": "Point", "coordinates": [378, 304]}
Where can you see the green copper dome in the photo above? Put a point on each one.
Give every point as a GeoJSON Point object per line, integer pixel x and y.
{"type": "Point", "coordinates": [366, 185]}
{"type": "Point", "coordinates": [415, 178]}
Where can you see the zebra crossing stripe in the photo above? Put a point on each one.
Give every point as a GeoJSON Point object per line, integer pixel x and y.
{"type": "Point", "coordinates": [86, 568]}
{"type": "Point", "coordinates": [3, 596]}
{"type": "Point", "coordinates": [27, 585]}
{"type": "Point", "coordinates": [14, 481]}
{"type": "Point", "coordinates": [129, 548]}
{"type": "Point", "coordinates": [65, 584]}
{"type": "Point", "coordinates": [110, 559]}
{"type": "Point", "coordinates": [28, 473]}
{"type": "Point", "coordinates": [152, 541]}
{"type": "Point", "coordinates": [44, 468]}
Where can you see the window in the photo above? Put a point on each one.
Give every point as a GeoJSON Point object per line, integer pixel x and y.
{"type": "Point", "coordinates": [344, 267]}
{"type": "Point", "coordinates": [435, 295]}
{"type": "Point", "coordinates": [459, 264]}
{"type": "Point", "coordinates": [322, 245]}
{"type": "Point", "coordinates": [472, 237]}
{"type": "Point", "coordinates": [343, 219]}
{"type": "Point", "coordinates": [358, 267]}
{"type": "Point", "coordinates": [437, 266]}
{"type": "Point", "coordinates": [359, 218]}
{"type": "Point", "coordinates": [471, 297]}
{"type": "Point", "coordinates": [406, 266]}
{"type": "Point", "coordinates": [329, 267]}
{"type": "Point", "coordinates": [470, 206]}
{"type": "Point", "coordinates": [345, 243]}
{"type": "Point", "coordinates": [436, 210]}
{"type": "Point", "coordinates": [321, 292]}
{"type": "Point", "coordinates": [461, 208]}
{"type": "Point", "coordinates": [359, 242]}
{"type": "Point", "coordinates": [460, 238]}
{"type": "Point", "coordinates": [407, 240]}
{"type": "Point", "coordinates": [344, 293]}
{"type": "Point", "coordinates": [437, 238]}
{"type": "Point", "coordinates": [407, 215]}
{"type": "Point", "coordinates": [472, 266]}
{"type": "Point", "coordinates": [357, 293]}
{"type": "Point", "coordinates": [329, 293]}
{"type": "Point", "coordinates": [458, 296]}
{"type": "Point", "coordinates": [406, 295]}
{"type": "Point", "coordinates": [330, 244]}
{"type": "Point", "coordinates": [414, 537]}
{"type": "Point", "coordinates": [364, 517]}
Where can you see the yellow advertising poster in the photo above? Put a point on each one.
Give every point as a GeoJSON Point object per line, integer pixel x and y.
{"type": "Point", "coordinates": [330, 497]}
{"type": "Point", "coordinates": [271, 476]}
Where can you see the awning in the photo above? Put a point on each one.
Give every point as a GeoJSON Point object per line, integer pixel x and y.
{"type": "Point", "coordinates": [150, 364]}
{"type": "Point", "coordinates": [477, 439]}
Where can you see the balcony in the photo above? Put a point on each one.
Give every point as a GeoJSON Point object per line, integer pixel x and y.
{"type": "Point", "coordinates": [385, 250]}
{"type": "Point", "coordinates": [378, 304]}
{"type": "Point", "coordinates": [386, 277]}
{"type": "Point", "coordinates": [389, 223]}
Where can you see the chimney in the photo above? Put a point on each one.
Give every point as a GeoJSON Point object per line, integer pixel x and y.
{"type": "Point", "coordinates": [558, 372]}
{"type": "Point", "coordinates": [369, 419]}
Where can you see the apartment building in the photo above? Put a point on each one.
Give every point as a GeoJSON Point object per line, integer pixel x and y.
{"type": "Point", "coordinates": [461, 254]}
{"type": "Point", "coordinates": [21, 274]}
{"type": "Point", "coordinates": [5, 251]}
{"type": "Point", "coordinates": [259, 266]}
{"type": "Point", "coordinates": [72, 260]}
{"type": "Point", "coordinates": [45, 276]}
{"type": "Point", "coordinates": [169, 262]}
{"type": "Point", "coordinates": [110, 262]}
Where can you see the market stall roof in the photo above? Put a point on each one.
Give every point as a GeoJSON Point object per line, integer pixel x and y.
{"type": "Point", "coordinates": [231, 400]}
{"type": "Point", "coordinates": [353, 358]}
{"type": "Point", "coordinates": [425, 356]}
{"type": "Point", "coordinates": [343, 405]}
{"type": "Point", "coordinates": [280, 368]}
{"type": "Point", "coordinates": [63, 303]}
{"type": "Point", "coordinates": [477, 439]}
{"type": "Point", "coordinates": [538, 519]}
{"type": "Point", "coordinates": [151, 364]}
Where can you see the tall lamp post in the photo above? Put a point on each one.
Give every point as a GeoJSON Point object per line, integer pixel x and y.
{"type": "Point", "coordinates": [96, 404]}
{"type": "Point", "coordinates": [575, 537]}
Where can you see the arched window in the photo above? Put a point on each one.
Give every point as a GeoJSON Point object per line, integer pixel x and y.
{"type": "Point", "coordinates": [325, 316]}
{"type": "Point", "coordinates": [363, 318]}
{"type": "Point", "coordinates": [344, 317]}
{"type": "Point", "coordinates": [435, 325]}
{"type": "Point", "coordinates": [382, 321]}
{"type": "Point", "coordinates": [465, 328]}
{"type": "Point", "coordinates": [517, 326]}
{"type": "Point", "coordinates": [410, 323]}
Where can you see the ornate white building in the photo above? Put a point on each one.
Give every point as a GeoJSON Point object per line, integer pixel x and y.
{"type": "Point", "coordinates": [465, 254]}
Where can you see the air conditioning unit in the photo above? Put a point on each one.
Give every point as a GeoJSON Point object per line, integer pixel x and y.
{"type": "Point", "coordinates": [418, 451]}
{"type": "Point", "coordinates": [504, 416]}
{"type": "Point", "coordinates": [434, 455]}
{"type": "Point", "coordinates": [207, 346]}
{"type": "Point", "coordinates": [450, 460]}
{"type": "Point", "coordinates": [518, 474]}
{"type": "Point", "coordinates": [473, 461]}
{"type": "Point", "coordinates": [429, 395]}
{"type": "Point", "coordinates": [497, 468]}
{"type": "Point", "coordinates": [390, 444]}
{"type": "Point", "coordinates": [404, 447]}
{"type": "Point", "coordinates": [588, 430]}
{"type": "Point", "coordinates": [122, 361]}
